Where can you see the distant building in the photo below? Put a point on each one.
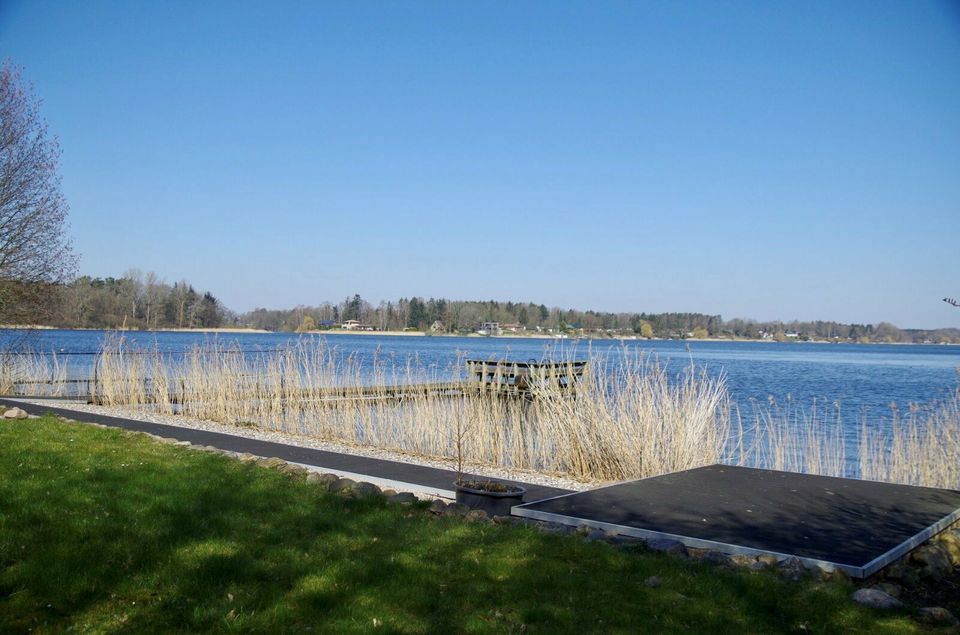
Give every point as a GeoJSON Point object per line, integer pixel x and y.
{"type": "Point", "coordinates": [489, 328]}
{"type": "Point", "coordinates": [513, 328]}
{"type": "Point", "coordinates": [356, 325]}
{"type": "Point", "coordinates": [438, 327]}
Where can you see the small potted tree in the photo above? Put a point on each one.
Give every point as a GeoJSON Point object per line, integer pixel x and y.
{"type": "Point", "coordinates": [491, 496]}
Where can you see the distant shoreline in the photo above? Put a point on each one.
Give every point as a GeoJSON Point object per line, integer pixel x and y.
{"type": "Point", "coordinates": [530, 336]}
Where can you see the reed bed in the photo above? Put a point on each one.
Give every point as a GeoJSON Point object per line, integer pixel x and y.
{"type": "Point", "coordinates": [33, 374]}
{"type": "Point", "coordinates": [628, 417]}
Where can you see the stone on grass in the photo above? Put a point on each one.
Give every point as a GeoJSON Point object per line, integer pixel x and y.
{"type": "Point", "coordinates": [935, 560]}
{"type": "Point", "coordinates": [876, 599]}
{"type": "Point", "coordinates": [15, 413]}
{"type": "Point", "coordinates": [364, 489]}
{"type": "Point", "coordinates": [951, 542]}
{"type": "Point", "coordinates": [717, 558]}
{"type": "Point", "coordinates": [666, 545]}
{"type": "Point", "coordinates": [322, 481]}
{"type": "Point", "coordinates": [889, 588]}
{"type": "Point", "coordinates": [342, 485]}
{"type": "Point", "coordinates": [456, 509]}
{"type": "Point", "coordinates": [293, 469]}
{"type": "Point", "coordinates": [768, 559]}
{"type": "Point", "coordinates": [477, 516]}
{"type": "Point", "coordinates": [937, 616]}
{"type": "Point", "coordinates": [402, 498]}
{"type": "Point", "coordinates": [792, 569]}
{"type": "Point", "coordinates": [903, 573]}
{"type": "Point", "coordinates": [437, 506]}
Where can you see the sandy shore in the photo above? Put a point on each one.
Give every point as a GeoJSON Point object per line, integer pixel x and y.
{"type": "Point", "coordinates": [278, 436]}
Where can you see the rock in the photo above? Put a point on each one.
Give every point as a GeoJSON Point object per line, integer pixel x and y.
{"type": "Point", "coordinates": [246, 457]}
{"type": "Point", "coordinates": [792, 569]}
{"type": "Point", "coordinates": [743, 561]}
{"type": "Point", "coordinates": [322, 481]}
{"type": "Point", "coordinates": [271, 462]}
{"type": "Point", "coordinates": [437, 506]}
{"type": "Point", "coordinates": [937, 616]}
{"type": "Point", "coordinates": [33, 416]}
{"type": "Point", "coordinates": [768, 560]}
{"type": "Point", "coordinates": [717, 558]}
{"type": "Point", "coordinates": [387, 493]}
{"type": "Point", "coordinates": [903, 573]}
{"type": "Point", "coordinates": [667, 545]}
{"type": "Point", "coordinates": [653, 582]}
{"type": "Point", "coordinates": [877, 599]}
{"type": "Point", "coordinates": [934, 560]}
{"type": "Point", "coordinates": [402, 498]}
{"type": "Point", "coordinates": [342, 486]}
{"type": "Point", "coordinates": [293, 469]}
{"type": "Point", "coordinates": [456, 509]}
{"type": "Point", "coordinates": [891, 589]}
{"type": "Point", "coordinates": [951, 542]}
{"type": "Point", "coordinates": [477, 516]}
{"type": "Point", "coordinates": [364, 489]}
{"type": "Point", "coordinates": [15, 413]}
{"type": "Point", "coordinates": [758, 565]}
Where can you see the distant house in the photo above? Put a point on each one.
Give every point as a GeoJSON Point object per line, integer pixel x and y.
{"type": "Point", "coordinates": [489, 328]}
{"type": "Point", "coordinates": [356, 325]}
{"type": "Point", "coordinates": [438, 327]}
{"type": "Point", "coordinates": [513, 328]}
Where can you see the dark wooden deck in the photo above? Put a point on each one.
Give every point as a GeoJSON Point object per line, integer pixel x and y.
{"type": "Point", "coordinates": [856, 526]}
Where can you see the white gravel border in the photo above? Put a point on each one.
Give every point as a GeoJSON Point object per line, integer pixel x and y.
{"type": "Point", "coordinates": [180, 421]}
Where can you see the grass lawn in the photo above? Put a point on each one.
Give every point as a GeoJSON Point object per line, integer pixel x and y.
{"type": "Point", "coordinates": [106, 531]}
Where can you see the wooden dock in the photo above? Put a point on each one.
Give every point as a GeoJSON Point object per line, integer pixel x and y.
{"type": "Point", "coordinates": [502, 378]}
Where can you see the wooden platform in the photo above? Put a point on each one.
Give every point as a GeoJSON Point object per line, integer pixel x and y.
{"type": "Point", "coordinates": [521, 378]}
{"type": "Point", "coordinates": [855, 526]}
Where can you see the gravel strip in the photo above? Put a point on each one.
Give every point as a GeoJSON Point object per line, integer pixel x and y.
{"type": "Point", "coordinates": [310, 442]}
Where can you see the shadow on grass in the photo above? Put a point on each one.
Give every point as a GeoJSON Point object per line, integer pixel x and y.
{"type": "Point", "coordinates": [108, 532]}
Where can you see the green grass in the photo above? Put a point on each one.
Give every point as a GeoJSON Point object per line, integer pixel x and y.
{"type": "Point", "coordinates": [103, 531]}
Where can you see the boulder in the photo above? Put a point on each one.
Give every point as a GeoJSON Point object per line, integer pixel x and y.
{"type": "Point", "coordinates": [876, 599]}
{"type": "Point", "coordinates": [364, 489]}
{"type": "Point", "coordinates": [437, 506]}
{"type": "Point", "coordinates": [934, 560]}
{"type": "Point", "coordinates": [402, 498]}
{"type": "Point", "coordinates": [477, 516]}
{"type": "Point", "coordinates": [667, 545]}
{"type": "Point", "coordinates": [937, 616]}
{"type": "Point", "coordinates": [889, 588]}
{"type": "Point", "coordinates": [342, 486]}
{"type": "Point", "coordinates": [456, 509]}
{"type": "Point", "coordinates": [322, 481]}
{"type": "Point", "coordinates": [792, 569]}
{"type": "Point", "coordinates": [717, 558]}
{"type": "Point", "coordinates": [951, 542]}
{"type": "Point", "coordinates": [15, 413]}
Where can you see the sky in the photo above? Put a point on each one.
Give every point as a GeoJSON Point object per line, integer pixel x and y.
{"type": "Point", "coordinates": [764, 160]}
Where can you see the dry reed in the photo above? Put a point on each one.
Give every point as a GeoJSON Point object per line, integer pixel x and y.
{"type": "Point", "coordinates": [627, 418]}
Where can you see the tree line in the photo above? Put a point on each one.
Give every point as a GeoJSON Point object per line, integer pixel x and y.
{"type": "Point", "coordinates": [465, 316]}
{"type": "Point", "coordinates": [145, 301]}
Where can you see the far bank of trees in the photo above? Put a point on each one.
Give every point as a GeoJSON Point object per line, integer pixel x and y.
{"type": "Point", "coordinates": [137, 300]}
{"type": "Point", "coordinates": [460, 316]}
{"type": "Point", "coordinates": [145, 301]}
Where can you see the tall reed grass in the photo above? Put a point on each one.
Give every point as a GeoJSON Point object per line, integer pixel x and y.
{"type": "Point", "coordinates": [32, 373]}
{"type": "Point", "coordinates": [627, 418]}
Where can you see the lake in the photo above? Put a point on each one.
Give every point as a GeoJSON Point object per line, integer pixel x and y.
{"type": "Point", "coordinates": [863, 379]}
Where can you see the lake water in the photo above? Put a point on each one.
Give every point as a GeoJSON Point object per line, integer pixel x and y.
{"type": "Point", "coordinates": [862, 379]}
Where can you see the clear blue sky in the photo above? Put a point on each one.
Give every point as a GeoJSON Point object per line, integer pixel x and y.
{"type": "Point", "coordinates": [769, 160]}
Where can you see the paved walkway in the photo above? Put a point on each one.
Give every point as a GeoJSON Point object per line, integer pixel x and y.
{"type": "Point", "coordinates": [389, 474]}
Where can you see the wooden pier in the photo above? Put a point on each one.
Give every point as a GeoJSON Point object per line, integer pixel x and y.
{"type": "Point", "coordinates": [502, 378]}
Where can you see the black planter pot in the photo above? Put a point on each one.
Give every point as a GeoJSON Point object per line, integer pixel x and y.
{"type": "Point", "coordinates": [492, 502]}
